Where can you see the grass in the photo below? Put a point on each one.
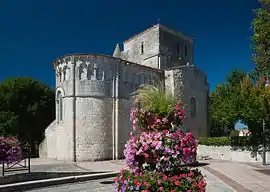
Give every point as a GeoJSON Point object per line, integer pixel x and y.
{"type": "Point", "coordinates": [154, 99]}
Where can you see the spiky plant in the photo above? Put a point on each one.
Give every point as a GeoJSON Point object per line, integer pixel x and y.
{"type": "Point", "coordinates": [154, 99]}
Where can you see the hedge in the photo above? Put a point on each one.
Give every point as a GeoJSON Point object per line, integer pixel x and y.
{"type": "Point", "coordinates": [224, 141]}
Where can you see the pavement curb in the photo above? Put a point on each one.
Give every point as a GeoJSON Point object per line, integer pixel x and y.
{"type": "Point", "coordinates": [22, 186]}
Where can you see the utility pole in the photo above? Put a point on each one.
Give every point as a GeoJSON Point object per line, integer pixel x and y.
{"type": "Point", "coordinates": [264, 148]}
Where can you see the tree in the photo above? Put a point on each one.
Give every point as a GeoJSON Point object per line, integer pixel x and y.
{"type": "Point", "coordinates": [256, 106]}
{"type": "Point", "coordinates": [8, 121]}
{"type": "Point", "coordinates": [225, 103]}
{"type": "Point", "coordinates": [26, 108]}
{"type": "Point", "coordinates": [261, 37]}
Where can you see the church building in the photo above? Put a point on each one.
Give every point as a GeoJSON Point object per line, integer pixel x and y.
{"type": "Point", "coordinates": [93, 94]}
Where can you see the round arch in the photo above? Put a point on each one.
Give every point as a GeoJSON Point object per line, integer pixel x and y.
{"type": "Point", "coordinates": [59, 104]}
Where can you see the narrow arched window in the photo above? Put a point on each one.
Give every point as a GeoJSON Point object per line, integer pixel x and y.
{"type": "Point", "coordinates": [59, 106]}
{"type": "Point", "coordinates": [186, 50]}
{"type": "Point", "coordinates": [142, 48]}
{"type": "Point", "coordinates": [60, 74]}
{"type": "Point", "coordinates": [64, 73]}
{"type": "Point", "coordinates": [192, 107]}
{"type": "Point", "coordinates": [150, 82]}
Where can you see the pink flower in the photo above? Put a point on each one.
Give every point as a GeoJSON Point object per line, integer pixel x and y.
{"type": "Point", "coordinates": [179, 103]}
{"type": "Point", "coordinates": [161, 188]}
{"type": "Point", "coordinates": [157, 121]}
{"type": "Point", "coordinates": [165, 177]}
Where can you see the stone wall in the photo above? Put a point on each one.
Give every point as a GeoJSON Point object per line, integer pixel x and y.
{"type": "Point", "coordinates": [144, 47]}
{"type": "Point", "coordinates": [227, 153]}
{"type": "Point", "coordinates": [159, 47]}
{"type": "Point", "coordinates": [98, 92]}
{"type": "Point", "coordinates": [195, 87]}
{"type": "Point", "coordinates": [174, 46]}
{"type": "Point", "coordinates": [188, 82]}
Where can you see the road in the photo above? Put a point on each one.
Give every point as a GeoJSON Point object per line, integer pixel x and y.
{"type": "Point", "coordinates": [88, 186]}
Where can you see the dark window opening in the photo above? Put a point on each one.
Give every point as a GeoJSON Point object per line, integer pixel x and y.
{"type": "Point", "coordinates": [178, 48]}
{"type": "Point", "coordinates": [142, 48]}
{"type": "Point", "coordinates": [185, 50]}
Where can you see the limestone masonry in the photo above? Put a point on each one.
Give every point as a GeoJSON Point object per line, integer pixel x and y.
{"type": "Point", "coordinates": [93, 91]}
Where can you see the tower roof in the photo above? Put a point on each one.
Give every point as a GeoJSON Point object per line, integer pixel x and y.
{"type": "Point", "coordinates": [117, 51]}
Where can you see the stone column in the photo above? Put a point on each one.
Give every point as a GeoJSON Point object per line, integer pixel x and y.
{"type": "Point", "coordinates": [117, 110]}
{"type": "Point", "coordinates": [113, 115]}
{"type": "Point", "coordinates": [73, 91]}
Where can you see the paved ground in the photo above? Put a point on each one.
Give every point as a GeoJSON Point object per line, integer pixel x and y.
{"type": "Point", "coordinates": [90, 186]}
{"type": "Point", "coordinates": [214, 184]}
{"type": "Point", "coordinates": [244, 177]}
{"type": "Point", "coordinates": [105, 185]}
{"type": "Point", "coordinates": [221, 176]}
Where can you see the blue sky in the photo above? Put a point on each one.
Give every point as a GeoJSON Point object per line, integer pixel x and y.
{"type": "Point", "coordinates": [34, 33]}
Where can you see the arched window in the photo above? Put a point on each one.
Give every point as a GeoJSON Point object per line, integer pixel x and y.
{"type": "Point", "coordinates": [64, 73]}
{"type": "Point", "coordinates": [150, 82]}
{"type": "Point", "coordinates": [192, 107]}
{"type": "Point", "coordinates": [145, 79]}
{"type": "Point", "coordinates": [178, 48]}
{"type": "Point", "coordinates": [142, 48]}
{"type": "Point", "coordinates": [139, 79]}
{"type": "Point", "coordinates": [59, 106]}
{"type": "Point", "coordinates": [60, 74]}
{"type": "Point", "coordinates": [155, 81]}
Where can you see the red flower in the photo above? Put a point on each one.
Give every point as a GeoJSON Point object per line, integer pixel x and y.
{"type": "Point", "coordinates": [146, 184]}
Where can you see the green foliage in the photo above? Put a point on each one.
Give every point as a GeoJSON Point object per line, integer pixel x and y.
{"type": "Point", "coordinates": [26, 108]}
{"type": "Point", "coordinates": [225, 102]}
{"type": "Point", "coordinates": [256, 106]}
{"type": "Point", "coordinates": [261, 36]}
{"type": "Point", "coordinates": [8, 123]}
{"type": "Point", "coordinates": [234, 133]}
{"type": "Point", "coordinates": [225, 141]}
{"type": "Point", "coordinates": [252, 96]}
{"type": "Point", "coordinates": [222, 105]}
{"type": "Point", "coordinates": [214, 141]}
{"type": "Point", "coordinates": [155, 99]}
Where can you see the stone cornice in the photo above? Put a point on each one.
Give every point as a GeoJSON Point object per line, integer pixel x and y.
{"type": "Point", "coordinates": [87, 57]}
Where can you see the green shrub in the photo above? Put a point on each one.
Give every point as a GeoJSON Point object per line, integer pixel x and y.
{"type": "Point", "coordinates": [214, 141]}
{"type": "Point", "coordinates": [234, 133]}
{"type": "Point", "coordinates": [224, 141]}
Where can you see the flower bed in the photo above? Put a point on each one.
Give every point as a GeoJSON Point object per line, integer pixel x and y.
{"type": "Point", "coordinates": [158, 149]}
{"type": "Point", "coordinates": [10, 150]}
{"type": "Point", "coordinates": [184, 180]}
